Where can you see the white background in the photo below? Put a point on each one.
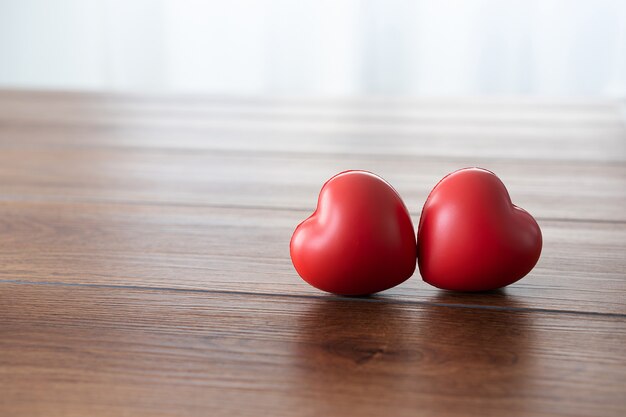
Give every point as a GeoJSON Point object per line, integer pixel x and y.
{"type": "Point", "coordinates": [317, 47]}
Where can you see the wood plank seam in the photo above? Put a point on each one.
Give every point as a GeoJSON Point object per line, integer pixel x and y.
{"type": "Point", "coordinates": [8, 198]}
{"type": "Point", "coordinates": [329, 297]}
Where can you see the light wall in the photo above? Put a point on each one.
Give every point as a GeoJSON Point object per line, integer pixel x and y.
{"type": "Point", "coordinates": [317, 47]}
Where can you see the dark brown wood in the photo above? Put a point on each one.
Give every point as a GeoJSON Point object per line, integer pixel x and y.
{"type": "Point", "coordinates": [581, 268]}
{"type": "Point", "coordinates": [144, 264]}
{"type": "Point", "coordinates": [97, 351]}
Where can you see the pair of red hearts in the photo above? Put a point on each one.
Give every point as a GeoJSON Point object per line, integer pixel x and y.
{"type": "Point", "coordinates": [360, 240]}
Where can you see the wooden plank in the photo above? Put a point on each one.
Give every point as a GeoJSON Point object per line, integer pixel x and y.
{"type": "Point", "coordinates": [515, 106]}
{"type": "Point", "coordinates": [429, 128]}
{"type": "Point", "coordinates": [145, 265]}
{"type": "Point", "coordinates": [548, 189]}
{"type": "Point", "coordinates": [468, 114]}
{"type": "Point", "coordinates": [582, 267]}
{"type": "Point", "coordinates": [100, 352]}
{"type": "Point", "coordinates": [528, 142]}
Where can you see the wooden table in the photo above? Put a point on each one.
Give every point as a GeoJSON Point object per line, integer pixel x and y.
{"type": "Point", "coordinates": [145, 267]}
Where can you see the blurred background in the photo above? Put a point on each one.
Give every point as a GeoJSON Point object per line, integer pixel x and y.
{"type": "Point", "coordinates": [334, 48]}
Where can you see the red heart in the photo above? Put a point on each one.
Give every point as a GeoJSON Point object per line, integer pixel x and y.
{"type": "Point", "coordinates": [471, 237]}
{"type": "Point", "coordinates": [360, 239]}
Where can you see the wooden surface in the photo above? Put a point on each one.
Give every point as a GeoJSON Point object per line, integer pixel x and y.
{"type": "Point", "coordinates": [145, 267]}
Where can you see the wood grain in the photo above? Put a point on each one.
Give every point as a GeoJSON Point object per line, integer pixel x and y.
{"type": "Point", "coordinates": [120, 351]}
{"type": "Point", "coordinates": [30, 105]}
{"type": "Point", "coordinates": [581, 268]}
{"type": "Point", "coordinates": [145, 266]}
{"type": "Point", "coordinates": [542, 143]}
{"type": "Point", "coordinates": [548, 189]}
{"type": "Point", "coordinates": [450, 128]}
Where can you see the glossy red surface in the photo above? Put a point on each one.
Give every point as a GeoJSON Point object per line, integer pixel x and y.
{"type": "Point", "coordinates": [360, 239]}
{"type": "Point", "coordinates": [471, 237]}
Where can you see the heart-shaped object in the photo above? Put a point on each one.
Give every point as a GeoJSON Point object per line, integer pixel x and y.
{"type": "Point", "coordinates": [471, 237]}
{"type": "Point", "coordinates": [360, 240]}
